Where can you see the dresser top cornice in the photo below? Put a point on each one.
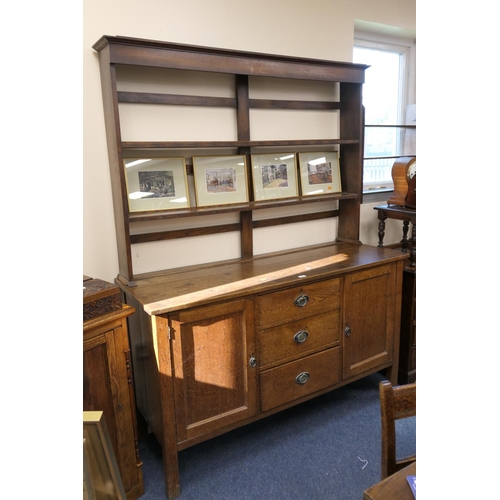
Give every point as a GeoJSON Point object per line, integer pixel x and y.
{"type": "Point", "coordinates": [157, 53]}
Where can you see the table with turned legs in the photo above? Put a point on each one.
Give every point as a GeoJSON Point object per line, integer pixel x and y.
{"type": "Point", "coordinates": [407, 215]}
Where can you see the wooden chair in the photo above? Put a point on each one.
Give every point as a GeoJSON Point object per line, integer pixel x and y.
{"type": "Point", "coordinates": [395, 403]}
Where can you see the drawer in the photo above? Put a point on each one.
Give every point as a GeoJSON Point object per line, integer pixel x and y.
{"type": "Point", "coordinates": [299, 378]}
{"type": "Point", "coordinates": [295, 303]}
{"type": "Point", "coordinates": [298, 338]}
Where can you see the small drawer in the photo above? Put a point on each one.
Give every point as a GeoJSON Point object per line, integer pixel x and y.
{"type": "Point", "coordinates": [299, 378]}
{"type": "Point", "coordinates": [295, 303]}
{"type": "Point", "coordinates": [298, 338]}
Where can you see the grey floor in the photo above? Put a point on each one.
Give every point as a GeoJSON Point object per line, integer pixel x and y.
{"type": "Point", "coordinates": [327, 448]}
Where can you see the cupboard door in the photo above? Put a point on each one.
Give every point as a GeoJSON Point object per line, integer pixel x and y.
{"type": "Point", "coordinates": [369, 319]}
{"type": "Point", "coordinates": [215, 377]}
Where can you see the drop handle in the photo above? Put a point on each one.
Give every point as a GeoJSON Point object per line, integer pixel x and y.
{"type": "Point", "coordinates": [302, 378]}
{"type": "Point", "coordinates": [301, 300]}
{"type": "Point", "coordinates": [300, 336]}
{"type": "Point", "coordinates": [347, 331]}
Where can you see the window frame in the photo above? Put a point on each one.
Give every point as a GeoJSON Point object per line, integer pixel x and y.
{"type": "Point", "coordinates": [407, 47]}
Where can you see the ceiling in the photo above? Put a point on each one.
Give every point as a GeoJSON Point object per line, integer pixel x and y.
{"type": "Point", "coordinates": [383, 29]}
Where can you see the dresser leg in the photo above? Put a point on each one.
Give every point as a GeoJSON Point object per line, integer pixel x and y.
{"type": "Point", "coordinates": [171, 469]}
{"type": "Point", "coordinates": [392, 374]}
{"type": "Point", "coordinates": [167, 413]}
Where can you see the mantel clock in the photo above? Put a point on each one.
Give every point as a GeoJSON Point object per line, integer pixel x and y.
{"type": "Point", "coordinates": [404, 175]}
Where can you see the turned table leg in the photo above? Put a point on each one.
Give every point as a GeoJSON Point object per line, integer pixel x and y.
{"type": "Point", "coordinates": [381, 230]}
{"type": "Point", "coordinates": [404, 241]}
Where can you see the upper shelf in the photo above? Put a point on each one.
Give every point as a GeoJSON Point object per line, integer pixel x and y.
{"type": "Point", "coordinates": [241, 207]}
{"type": "Point", "coordinates": [232, 144]}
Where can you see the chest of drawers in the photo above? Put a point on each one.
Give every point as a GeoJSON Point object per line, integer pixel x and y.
{"type": "Point", "coordinates": [298, 342]}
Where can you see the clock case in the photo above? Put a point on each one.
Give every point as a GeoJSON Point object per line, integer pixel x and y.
{"type": "Point", "coordinates": [404, 194]}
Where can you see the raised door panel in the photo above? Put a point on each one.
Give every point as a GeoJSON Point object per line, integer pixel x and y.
{"type": "Point", "coordinates": [369, 319]}
{"type": "Point", "coordinates": [215, 384]}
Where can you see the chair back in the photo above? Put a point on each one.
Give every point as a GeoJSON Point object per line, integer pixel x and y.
{"type": "Point", "coordinates": [396, 402]}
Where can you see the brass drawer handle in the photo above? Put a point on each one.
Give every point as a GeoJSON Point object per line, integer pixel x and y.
{"type": "Point", "coordinates": [301, 336]}
{"type": "Point", "coordinates": [301, 300]}
{"type": "Point", "coordinates": [302, 378]}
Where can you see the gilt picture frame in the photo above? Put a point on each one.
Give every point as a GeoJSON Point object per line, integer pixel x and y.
{"type": "Point", "coordinates": [156, 183]}
{"type": "Point", "coordinates": [319, 173]}
{"type": "Point", "coordinates": [274, 176]}
{"type": "Point", "coordinates": [220, 180]}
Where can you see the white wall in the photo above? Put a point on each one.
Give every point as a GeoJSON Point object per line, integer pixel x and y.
{"type": "Point", "coordinates": [315, 28]}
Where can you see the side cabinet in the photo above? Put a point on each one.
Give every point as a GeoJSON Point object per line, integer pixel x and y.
{"type": "Point", "coordinates": [372, 301]}
{"type": "Point", "coordinates": [108, 387]}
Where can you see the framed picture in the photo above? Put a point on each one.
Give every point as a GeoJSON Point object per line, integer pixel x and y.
{"type": "Point", "coordinates": [220, 180]}
{"type": "Point", "coordinates": [156, 183]}
{"type": "Point", "coordinates": [320, 173]}
{"type": "Point", "coordinates": [274, 176]}
{"type": "Point", "coordinates": [101, 476]}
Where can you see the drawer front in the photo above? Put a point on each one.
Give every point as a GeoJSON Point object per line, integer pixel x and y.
{"type": "Point", "coordinates": [295, 303]}
{"type": "Point", "coordinates": [299, 378]}
{"type": "Point", "coordinates": [298, 338]}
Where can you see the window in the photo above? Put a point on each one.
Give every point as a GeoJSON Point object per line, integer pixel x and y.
{"type": "Point", "coordinates": [388, 98]}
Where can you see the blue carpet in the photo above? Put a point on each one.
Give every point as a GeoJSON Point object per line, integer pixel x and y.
{"type": "Point", "coordinates": [327, 448]}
